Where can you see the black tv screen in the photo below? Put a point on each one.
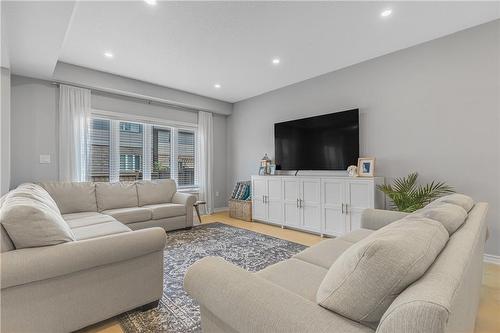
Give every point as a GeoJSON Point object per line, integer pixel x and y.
{"type": "Point", "coordinates": [326, 142]}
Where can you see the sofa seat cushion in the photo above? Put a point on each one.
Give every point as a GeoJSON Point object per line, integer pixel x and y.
{"type": "Point", "coordinates": [356, 235]}
{"type": "Point", "coordinates": [31, 223]}
{"type": "Point", "coordinates": [163, 211]}
{"type": "Point", "coordinates": [99, 230]}
{"type": "Point", "coordinates": [155, 192]}
{"type": "Point", "coordinates": [324, 253]}
{"type": "Point", "coordinates": [76, 220]}
{"type": "Point", "coordinates": [72, 197]}
{"type": "Point", "coordinates": [130, 214]}
{"type": "Point", "coordinates": [297, 276]}
{"type": "Point", "coordinates": [116, 195]}
{"type": "Point", "coordinates": [363, 282]}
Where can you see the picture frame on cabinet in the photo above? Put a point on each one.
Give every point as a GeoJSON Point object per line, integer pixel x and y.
{"type": "Point", "coordinates": [262, 171]}
{"type": "Point", "coordinates": [272, 169]}
{"type": "Point", "coordinates": [366, 166]}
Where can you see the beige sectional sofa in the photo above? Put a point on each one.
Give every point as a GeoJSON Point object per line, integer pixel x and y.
{"type": "Point", "coordinates": [75, 257]}
{"type": "Point", "coordinates": [400, 273]}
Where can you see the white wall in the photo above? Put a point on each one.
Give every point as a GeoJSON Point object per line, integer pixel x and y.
{"type": "Point", "coordinates": [5, 131]}
{"type": "Point", "coordinates": [35, 129]}
{"type": "Point", "coordinates": [433, 108]}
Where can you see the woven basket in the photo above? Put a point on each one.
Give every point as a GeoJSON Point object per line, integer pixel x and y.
{"type": "Point", "coordinates": [240, 209]}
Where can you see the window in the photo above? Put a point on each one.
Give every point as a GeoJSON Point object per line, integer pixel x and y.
{"type": "Point", "coordinates": [131, 151]}
{"type": "Point", "coordinates": [185, 158]}
{"type": "Point", "coordinates": [123, 150]}
{"type": "Point", "coordinates": [99, 138]}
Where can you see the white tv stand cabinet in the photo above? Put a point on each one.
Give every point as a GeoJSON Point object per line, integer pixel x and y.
{"type": "Point", "coordinates": [327, 205]}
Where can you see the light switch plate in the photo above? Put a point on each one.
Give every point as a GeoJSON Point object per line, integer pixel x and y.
{"type": "Point", "coordinates": [44, 159]}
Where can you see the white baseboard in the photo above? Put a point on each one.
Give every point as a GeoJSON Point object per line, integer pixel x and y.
{"type": "Point", "coordinates": [491, 259]}
{"type": "Point", "coordinates": [221, 209]}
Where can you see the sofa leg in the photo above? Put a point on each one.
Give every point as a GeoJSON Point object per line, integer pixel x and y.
{"type": "Point", "coordinates": [149, 306]}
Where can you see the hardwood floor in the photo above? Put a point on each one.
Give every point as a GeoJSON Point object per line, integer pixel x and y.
{"type": "Point", "coordinates": [488, 317]}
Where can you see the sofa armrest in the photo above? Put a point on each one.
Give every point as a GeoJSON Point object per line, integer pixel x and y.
{"type": "Point", "coordinates": [35, 264]}
{"type": "Point", "coordinates": [248, 303]}
{"type": "Point", "coordinates": [375, 219]}
{"type": "Point", "coordinates": [185, 199]}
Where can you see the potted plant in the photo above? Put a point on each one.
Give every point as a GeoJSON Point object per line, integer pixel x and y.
{"type": "Point", "coordinates": [407, 196]}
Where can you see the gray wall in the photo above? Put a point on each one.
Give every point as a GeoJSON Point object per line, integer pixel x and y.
{"type": "Point", "coordinates": [433, 108]}
{"type": "Point", "coordinates": [5, 131]}
{"type": "Point", "coordinates": [35, 130]}
{"type": "Point", "coordinates": [119, 84]}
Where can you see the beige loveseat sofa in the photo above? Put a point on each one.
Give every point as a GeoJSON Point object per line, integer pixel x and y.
{"type": "Point", "coordinates": [79, 259]}
{"type": "Point", "coordinates": [288, 296]}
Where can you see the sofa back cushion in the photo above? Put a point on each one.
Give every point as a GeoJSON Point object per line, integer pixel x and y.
{"type": "Point", "coordinates": [116, 195]}
{"type": "Point", "coordinates": [458, 199]}
{"type": "Point", "coordinates": [36, 192]}
{"type": "Point", "coordinates": [32, 223]}
{"type": "Point", "coordinates": [72, 197]}
{"type": "Point", "coordinates": [5, 241]}
{"type": "Point", "coordinates": [362, 283]}
{"type": "Point", "coordinates": [155, 192]}
{"type": "Point", "coordinates": [451, 216]}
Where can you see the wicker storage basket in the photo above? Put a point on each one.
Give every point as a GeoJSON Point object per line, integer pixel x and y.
{"type": "Point", "coordinates": [240, 209]}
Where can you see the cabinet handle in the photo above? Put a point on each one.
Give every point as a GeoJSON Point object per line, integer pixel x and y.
{"type": "Point", "coordinates": [263, 199]}
{"type": "Point", "coordinates": [266, 198]}
{"type": "Point", "coordinates": [301, 201]}
{"type": "Point", "coordinates": [297, 202]}
{"type": "Point", "coordinates": [342, 208]}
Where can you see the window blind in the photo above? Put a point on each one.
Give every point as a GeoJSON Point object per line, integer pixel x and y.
{"type": "Point", "coordinates": [125, 150]}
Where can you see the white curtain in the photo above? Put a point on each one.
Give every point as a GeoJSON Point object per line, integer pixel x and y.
{"type": "Point", "coordinates": [205, 158]}
{"type": "Point", "coordinates": [74, 113]}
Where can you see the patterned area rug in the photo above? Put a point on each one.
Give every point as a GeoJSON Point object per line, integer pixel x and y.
{"type": "Point", "coordinates": [177, 312]}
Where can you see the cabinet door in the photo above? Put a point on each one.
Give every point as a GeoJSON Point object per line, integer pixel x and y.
{"type": "Point", "coordinates": [259, 191]}
{"type": "Point", "coordinates": [291, 210]}
{"type": "Point", "coordinates": [333, 196]}
{"type": "Point", "coordinates": [274, 200]}
{"type": "Point", "coordinates": [359, 196]}
{"type": "Point", "coordinates": [311, 204]}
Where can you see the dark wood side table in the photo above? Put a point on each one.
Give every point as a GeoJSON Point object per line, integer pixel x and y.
{"type": "Point", "coordinates": [196, 207]}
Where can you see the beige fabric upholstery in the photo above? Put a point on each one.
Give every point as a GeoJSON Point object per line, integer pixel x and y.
{"type": "Point", "coordinates": [188, 201]}
{"type": "Point", "coordinates": [325, 253]}
{"type": "Point", "coordinates": [73, 301]}
{"type": "Point", "coordinates": [446, 298]}
{"type": "Point", "coordinates": [36, 264]}
{"type": "Point", "coordinates": [458, 199]}
{"type": "Point", "coordinates": [356, 235]}
{"type": "Point", "coordinates": [450, 215]}
{"type": "Point", "coordinates": [130, 215]}
{"type": "Point", "coordinates": [99, 230]}
{"type": "Point", "coordinates": [171, 223]}
{"type": "Point", "coordinates": [362, 283]}
{"type": "Point", "coordinates": [31, 223]}
{"type": "Point", "coordinates": [116, 195]}
{"type": "Point", "coordinates": [300, 277]}
{"type": "Point", "coordinates": [162, 211]}
{"type": "Point", "coordinates": [155, 192]}
{"type": "Point", "coordinates": [5, 241]}
{"type": "Point", "coordinates": [375, 219]}
{"type": "Point", "coordinates": [246, 302]}
{"type": "Point", "coordinates": [77, 220]}
{"type": "Point", "coordinates": [72, 197]}
{"type": "Point", "coordinates": [35, 192]}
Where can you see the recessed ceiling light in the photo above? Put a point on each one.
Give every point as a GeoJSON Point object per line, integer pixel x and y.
{"type": "Point", "coordinates": [276, 61]}
{"type": "Point", "coordinates": [108, 54]}
{"type": "Point", "coordinates": [150, 2]}
{"type": "Point", "coordinates": [386, 13]}
{"type": "Point", "coordinates": [217, 86]}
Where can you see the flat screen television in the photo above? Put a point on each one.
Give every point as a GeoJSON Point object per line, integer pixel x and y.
{"type": "Point", "coordinates": [326, 142]}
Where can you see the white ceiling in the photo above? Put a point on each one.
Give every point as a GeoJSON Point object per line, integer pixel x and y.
{"type": "Point", "coordinates": [193, 45]}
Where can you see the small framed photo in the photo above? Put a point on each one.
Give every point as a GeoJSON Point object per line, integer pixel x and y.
{"type": "Point", "coordinates": [262, 171]}
{"type": "Point", "coordinates": [272, 169]}
{"type": "Point", "coordinates": [366, 166]}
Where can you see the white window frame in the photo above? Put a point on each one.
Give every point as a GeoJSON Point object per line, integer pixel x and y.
{"type": "Point", "coordinates": [148, 123]}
